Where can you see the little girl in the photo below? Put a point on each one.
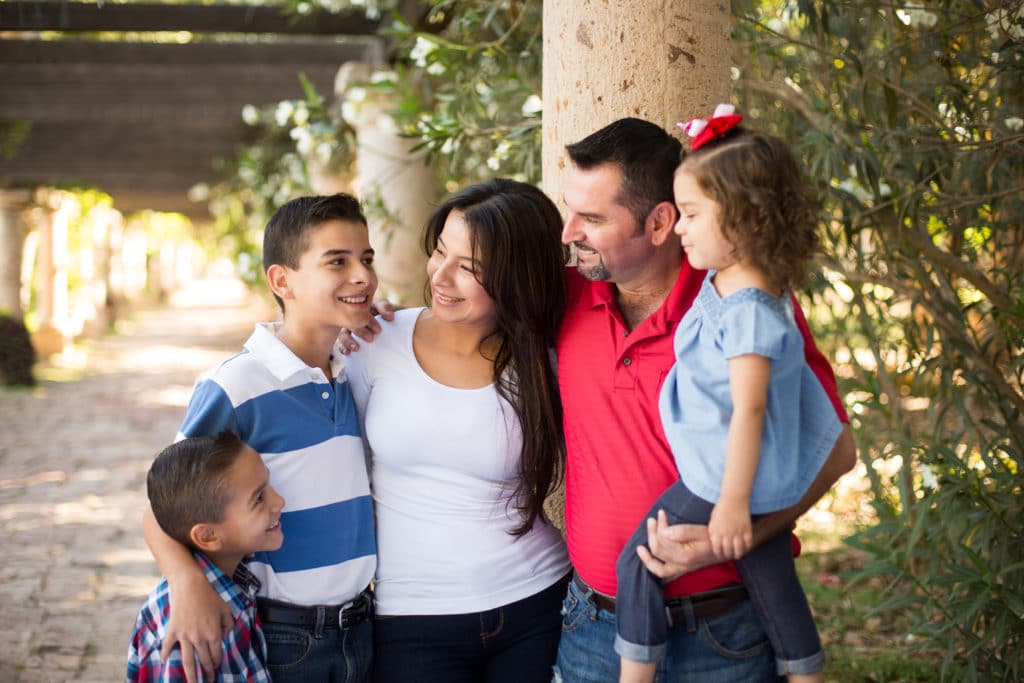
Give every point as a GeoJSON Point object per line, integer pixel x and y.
{"type": "Point", "coordinates": [748, 423]}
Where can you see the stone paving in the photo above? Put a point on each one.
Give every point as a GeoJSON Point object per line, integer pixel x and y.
{"type": "Point", "coordinates": [74, 452]}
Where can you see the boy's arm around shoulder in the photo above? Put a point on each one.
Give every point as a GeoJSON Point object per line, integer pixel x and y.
{"type": "Point", "coordinates": [199, 619]}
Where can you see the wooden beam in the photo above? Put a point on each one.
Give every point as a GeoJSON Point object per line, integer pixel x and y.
{"type": "Point", "coordinates": [75, 81]}
{"type": "Point", "coordinates": [47, 15]}
{"type": "Point", "coordinates": [70, 52]}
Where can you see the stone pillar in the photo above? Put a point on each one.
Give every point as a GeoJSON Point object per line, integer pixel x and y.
{"type": "Point", "coordinates": [655, 60]}
{"type": "Point", "coordinates": [12, 238]}
{"type": "Point", "coordinates": [395, 185]}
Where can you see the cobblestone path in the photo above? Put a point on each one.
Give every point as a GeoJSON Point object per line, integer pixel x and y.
{"type": "Point", "coordinates": [74, 452]}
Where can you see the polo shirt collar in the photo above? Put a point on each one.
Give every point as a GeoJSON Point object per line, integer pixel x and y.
{"type": "Point", "coordinates": [273, 353]}
{"type": "Point", "coordinates": [602, 293]}
{"type": "Point", "coordinates": [265, 346]}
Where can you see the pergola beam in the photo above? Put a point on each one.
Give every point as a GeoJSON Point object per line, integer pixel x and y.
{"type": "Point", "coordinates": [43, 15]}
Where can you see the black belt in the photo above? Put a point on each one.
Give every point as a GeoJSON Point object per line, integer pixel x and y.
{"type": "Point", "coordinates": [328, 616]}
{"type": "Point", "coordinates": [701, 605]}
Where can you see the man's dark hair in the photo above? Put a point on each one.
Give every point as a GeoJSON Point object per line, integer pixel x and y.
{"type": "Point", "coordinates": [286, 236]}
{"type": "Point", "coordinates": [646, 155]}
{"type": "Point", "coordinates": [187, 483]}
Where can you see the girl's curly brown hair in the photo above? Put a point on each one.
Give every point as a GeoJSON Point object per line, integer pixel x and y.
{"type": "Point", "coordinates": [767, 210]}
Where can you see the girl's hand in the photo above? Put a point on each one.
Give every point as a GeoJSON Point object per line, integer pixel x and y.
{"type": "Point", "coordinates": [730, 530]}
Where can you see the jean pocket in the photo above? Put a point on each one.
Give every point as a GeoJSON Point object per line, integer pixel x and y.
{"type": "Point", "coordinates": [574, 611]}
{"type": "Point", "coordinates": [737, 634]}
{"type": "Point", "coordinates": [287, 647]}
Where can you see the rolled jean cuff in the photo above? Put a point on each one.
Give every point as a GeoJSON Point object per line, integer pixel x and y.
{"type": "Point", "coordinates": [649, 654]}
{"type": "Point", "coordinates": [807, 665]}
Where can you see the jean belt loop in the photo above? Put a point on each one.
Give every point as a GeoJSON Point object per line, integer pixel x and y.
{"type": "Point", "coordinates": [691, 620]}
{"type": "Point", "coordinates": [318, 628]}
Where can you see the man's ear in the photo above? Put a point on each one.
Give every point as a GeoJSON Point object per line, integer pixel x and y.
{"type": "Point", "coordinates": [206, 537]}
{"type": "Point", "coordinates": [277, 278]}
{"type": "Point", "coordinates": [660, 222]}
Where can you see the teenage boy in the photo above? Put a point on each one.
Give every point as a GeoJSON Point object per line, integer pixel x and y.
{"type": "Point", "coordinates": [286, 395]}
{"type": "Point", "coordinates": [213, 496]}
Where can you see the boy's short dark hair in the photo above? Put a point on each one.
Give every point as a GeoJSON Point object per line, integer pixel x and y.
{"type": "Point", "coordinates": [644, 152]}
{"type": "Point", "coordinates": [187, 483]}
{"type": "Point", "coordinates": [286, 236]}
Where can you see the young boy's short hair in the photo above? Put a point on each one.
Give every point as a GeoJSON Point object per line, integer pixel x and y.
{"type": "Point", "coordinates": [187, 483]}
{"type": "Point", "coordinates": [286, 236]}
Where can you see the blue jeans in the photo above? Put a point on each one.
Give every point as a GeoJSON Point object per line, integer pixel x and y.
{"type": "Point", "coordinates": [727, 648]}
{"type": "Point", "coordinates": [768, 574]}
{"type": "Point", "coordinates": [326, 655]}
{"type": "Point", "coordinates": [515, 643]}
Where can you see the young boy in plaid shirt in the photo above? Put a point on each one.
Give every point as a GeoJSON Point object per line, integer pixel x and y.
{"type": "Point", "coordinates": [213, 495]}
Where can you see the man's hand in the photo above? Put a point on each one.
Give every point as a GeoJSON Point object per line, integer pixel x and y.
{"type": "Point", "coordinates": [730, 530]}
{"type": "Point", "coordinates": [369, 331]}
{"type": "Point", "coordinates": [199, 622]}
{"type": "Point", "coordinates": [675, 550]}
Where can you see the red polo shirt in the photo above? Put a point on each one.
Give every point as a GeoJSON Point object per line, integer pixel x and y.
{"type": "Point", "coordinates": [618, 461]}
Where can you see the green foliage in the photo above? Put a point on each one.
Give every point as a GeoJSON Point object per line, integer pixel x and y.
{"type": "Point", "coordinates": [292, 141]}
{"type": "Point", "coordinates": [16, 353]}
{"type": "Point", "coordinates": [910, 120]}
{"type": "Point", "coordinates": [468, 87]}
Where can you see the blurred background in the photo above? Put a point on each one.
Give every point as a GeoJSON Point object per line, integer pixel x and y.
{"type": "Point", "coordinates": [144, 145]}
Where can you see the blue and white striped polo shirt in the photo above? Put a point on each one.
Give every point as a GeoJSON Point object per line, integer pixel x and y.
{"type": "Point", "coordinates": [307, 430]}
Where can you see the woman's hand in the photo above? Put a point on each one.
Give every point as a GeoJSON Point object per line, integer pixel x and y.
{"type": "Point", "coordinates": [347, 338]}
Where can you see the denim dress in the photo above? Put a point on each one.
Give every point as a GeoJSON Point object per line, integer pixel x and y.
{"type": "Point", "coordinates": [801, 425]}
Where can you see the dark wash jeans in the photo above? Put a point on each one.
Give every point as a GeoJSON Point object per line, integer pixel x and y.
{"type": "Point", "coordinates": [515, 643]}
{"type": "Point", "coordinates": [319, 655]}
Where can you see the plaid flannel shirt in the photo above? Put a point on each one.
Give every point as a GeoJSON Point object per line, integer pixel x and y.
{"type": "Point", "coordinates": [243, 652]}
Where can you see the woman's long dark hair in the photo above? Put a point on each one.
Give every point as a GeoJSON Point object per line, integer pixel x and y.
{"type": "Point", "coordinates": [515, 231]}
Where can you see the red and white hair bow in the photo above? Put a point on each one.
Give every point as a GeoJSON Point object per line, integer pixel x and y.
{"type": "Point", "coordinates": [702, 131]}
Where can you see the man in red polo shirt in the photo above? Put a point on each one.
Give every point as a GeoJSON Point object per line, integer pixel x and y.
{"type": "Point", "coordinates": [631, 287]}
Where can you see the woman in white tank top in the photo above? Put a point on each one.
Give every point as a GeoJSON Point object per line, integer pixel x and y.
{"type": "Point", "coordinates": [461, 411]}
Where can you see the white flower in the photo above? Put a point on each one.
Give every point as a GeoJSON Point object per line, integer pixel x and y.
{"type": "Point", "coordinates": [1014, 123]}
{"type": "Point", "coordinates": [493, 163]}
{"type": "Point", "coordinates": [928, 478]}
{"type": "Point", "coordinates": [422, 48]}
{"type": "Point", "coordinates": [436, 68]}
{"type": "Point", "coordinates": [283, 113]}
{"type": "Point", "coordinates": [448, 146]}
{"type": "Point", "coordinates": [250, 114]}
{"type": "Point", "coordinates": [301, 116]}
{"type": "Point", "coordinates": [532, 106]}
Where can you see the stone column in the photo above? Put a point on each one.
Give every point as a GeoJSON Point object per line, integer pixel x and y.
{"type": "Point", "coordinates": [12, 238]}
{"type": "Point", "coordinates": [655, 60]}
{"type": "Point", "coordinates": [395, 185]}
